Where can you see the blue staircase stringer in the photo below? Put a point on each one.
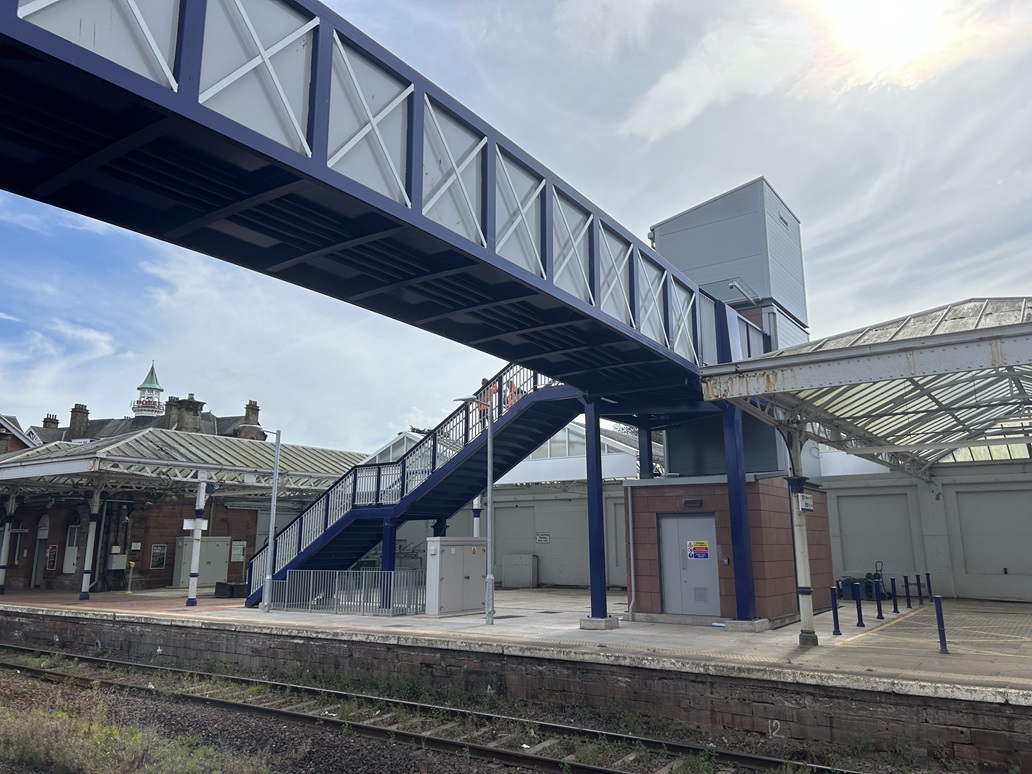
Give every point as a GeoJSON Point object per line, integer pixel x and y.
{"type": "Point", "coordinates": [435, 478]}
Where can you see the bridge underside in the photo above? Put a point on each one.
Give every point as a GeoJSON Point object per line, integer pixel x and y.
{"type": "Point", "coordinates": [79, 141]}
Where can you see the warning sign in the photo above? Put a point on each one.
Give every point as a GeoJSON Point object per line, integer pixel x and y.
{"type": "Point", "coordinates": [698, 549]}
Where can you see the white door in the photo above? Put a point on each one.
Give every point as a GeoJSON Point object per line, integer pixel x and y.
{"type": "Point", "coordinates": [688, 554]}
{"type": "Point", "coordinates": [71, 557]}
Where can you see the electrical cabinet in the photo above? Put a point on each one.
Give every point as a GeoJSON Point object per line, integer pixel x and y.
{"type": "Point", "coordinates": [214, 564]}
{"type": "Point", "coordinates": [456, 573]}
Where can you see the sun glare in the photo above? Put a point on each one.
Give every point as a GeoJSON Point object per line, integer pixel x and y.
{"type": "Point", "coordinates": [887, 34]}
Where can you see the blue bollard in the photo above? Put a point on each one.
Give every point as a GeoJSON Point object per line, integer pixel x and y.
{"type": "Point", "coordinates": [906, 587]}
{"type": "Point", "coordinates": [859, 609]}
{"type": "Point", "coordinates": [877, 599]}
{"type": "Point", "coordinates": [942, 626]}
{"type": "Point", "coordinates": [920, 597]}
{"type": "Point", "coordinates": [895, 602]}
{"type": "Point", "coordinates": [928, 577]}
{"type": "Point", "coordinates": [834, 610]}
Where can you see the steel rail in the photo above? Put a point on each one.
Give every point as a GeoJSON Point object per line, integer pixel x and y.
{"type": "Point", "coordinates": [554, 732]}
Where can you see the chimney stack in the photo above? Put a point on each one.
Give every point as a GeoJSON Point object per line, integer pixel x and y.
{"type": "Point", "coordinates": [79, 422]}
{"type": "Point", "coordinates": [189, 414]}
{"type": "Point", "coordinates": [251, 413]}
{"type": "Point", "coordinates": [171, 412]}
{"type": "Point", "coordinates": [50, 421]}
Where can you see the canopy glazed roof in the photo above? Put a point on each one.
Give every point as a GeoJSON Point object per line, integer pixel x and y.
{"type": "Point", "coordinates": [170, 460]}
{"type": "Point", "coordinates": [906, 393]}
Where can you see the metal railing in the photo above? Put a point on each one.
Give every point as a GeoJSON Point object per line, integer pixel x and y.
{"type": "Point", "coordinates": [389, 482]}
{"type": "Point", "coordinates": [354, 592]}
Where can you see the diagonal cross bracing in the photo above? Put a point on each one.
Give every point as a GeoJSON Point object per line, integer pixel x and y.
{"type": "Point", "coordinates": [422, 176]}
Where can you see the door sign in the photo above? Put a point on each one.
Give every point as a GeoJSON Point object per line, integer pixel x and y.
{"type": "Point", "coordinates": [698, 549]}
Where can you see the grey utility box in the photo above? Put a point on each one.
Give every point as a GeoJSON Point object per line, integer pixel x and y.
{"type": "Point", "coordinates": [520, 571]}
{"type": "Point", "coordinates": [214, 564]}
{"type": "Point", "coordinates": [456, 572]}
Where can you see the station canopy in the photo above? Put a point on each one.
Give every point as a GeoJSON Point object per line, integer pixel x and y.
{"type": "Point", "coordinates": [949, 384]}
{"type": "Point", "coordinates": [157, 460]}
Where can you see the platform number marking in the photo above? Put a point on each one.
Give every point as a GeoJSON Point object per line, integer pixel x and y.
{"type": "Point", "coordinates": [774, 728]}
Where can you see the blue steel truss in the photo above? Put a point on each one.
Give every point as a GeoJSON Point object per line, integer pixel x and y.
{"type": "Point", "coordinates": [432, 481]}
{"type": "Point", "coordinates": [275, 135]}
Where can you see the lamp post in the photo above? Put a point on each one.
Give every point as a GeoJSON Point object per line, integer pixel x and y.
{"type": "Point", "coordinates": [270, 560]}
{"type": "Point", "coordinates": [489, 581]}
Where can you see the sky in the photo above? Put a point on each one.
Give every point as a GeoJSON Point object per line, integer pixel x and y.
{"type": "Point", "coordinates": [897, 132]}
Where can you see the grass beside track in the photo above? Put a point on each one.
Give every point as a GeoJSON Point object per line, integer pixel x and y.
{"type": "Point", "coordinates": [81, 737]}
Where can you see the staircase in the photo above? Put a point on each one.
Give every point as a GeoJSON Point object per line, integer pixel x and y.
{"type": "Point", "coordinates": [434, 479]}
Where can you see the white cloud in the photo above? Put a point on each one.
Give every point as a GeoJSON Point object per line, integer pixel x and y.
{"type": "Point", "coordinates": [602, 28]}
{"type": "Point", "coordinates": [820, 49]}
{"type": "Point", "coordinates": [910, 169]}
{"type": "Point", "coordinates": [5, 316]}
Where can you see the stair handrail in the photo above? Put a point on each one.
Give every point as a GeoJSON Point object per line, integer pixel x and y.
{"type": "Point", "coordinates": [386, 483]}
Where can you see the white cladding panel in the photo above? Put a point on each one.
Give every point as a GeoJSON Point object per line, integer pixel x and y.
{"type": "Point", "coordinates": [256, 67]}
{"type": "Point", "coordinates": [140, 36]}
{"type": "Point", "coordinates": [876, 528]}
{"type": "Point", "coordinates": [996, 528]}
{"type": "Point", "coordinates": [784, 247]}
{"type": "Point", "coordinates": [721, 239]}
{"type": "Point", "coordinates": [563, 560]}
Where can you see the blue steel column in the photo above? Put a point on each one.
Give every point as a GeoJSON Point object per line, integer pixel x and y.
{"type": "Point", "coordinates": [414, 147]}
{"type": "Point", "coordinates": [189, 43]}
{"type": "Point", "coordinates": [547, 240]}
{"type": "Point", "coordinates": [645, 461]}
{"type": "Point", "coordinates": [596, 514]}
{"type": "Point", "coordinates": [741, 539]}
{"type": "Point", "coordinates": [319, 93]}
{"type": "Point", "coordinates": [441, 527]}
{"type": "Point", "coordinates": [390, 542]}
{"type": "Point", "coordinates": [488, 194]}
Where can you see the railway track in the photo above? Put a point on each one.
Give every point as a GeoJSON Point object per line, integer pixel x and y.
{"type": "Point", "coordinates": [528, 744]}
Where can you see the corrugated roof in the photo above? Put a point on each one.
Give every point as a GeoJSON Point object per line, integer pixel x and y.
{"type": "Point", "coordinates": [170, 459]}
{"type": "Point", "coordinates": [907, 392]}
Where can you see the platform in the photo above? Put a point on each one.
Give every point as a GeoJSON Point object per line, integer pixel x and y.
{"type": "Point", "coordinates": [990, 643]}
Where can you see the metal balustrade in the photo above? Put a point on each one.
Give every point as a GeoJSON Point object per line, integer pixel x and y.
{"type": "Point", "coordinates": [354, 592]}
{"type": "Point", "coordinates": [389, 483]}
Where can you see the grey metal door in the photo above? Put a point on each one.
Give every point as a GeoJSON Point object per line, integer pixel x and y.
{"type": "Point", "coordinates": [688, 560]}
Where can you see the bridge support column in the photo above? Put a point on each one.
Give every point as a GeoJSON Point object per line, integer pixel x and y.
{"type": "Point", "coordinates": [645, 461]}
{"type": "Point", "coordinates": [388, 556]}
{"type": "Point", "coordinates": [441, 527]}
{"type": "Point", "coordinates": [596, 523]}
{"type": "Point", "coordinates": [741, 540]}
{"type": "Point", "coordinates": [91, 538]}
{"type": "Point", "coordinates": [390, 542]}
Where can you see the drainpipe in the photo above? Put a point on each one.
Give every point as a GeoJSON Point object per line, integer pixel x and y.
{"type": "Point", "coordinates": [629, 495]}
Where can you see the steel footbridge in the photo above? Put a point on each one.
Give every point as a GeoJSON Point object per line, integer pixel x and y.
{"type": "Point", "coordinates": [274, 135]}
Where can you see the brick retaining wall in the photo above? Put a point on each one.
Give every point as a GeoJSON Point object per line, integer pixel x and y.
{"type": "Point", "coordinates": [744, 697]}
